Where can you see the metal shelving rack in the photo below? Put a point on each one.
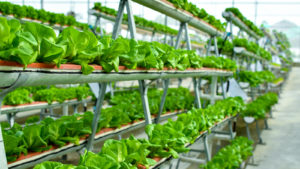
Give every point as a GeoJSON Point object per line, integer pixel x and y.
{"type": "Point", "coordinates": [13, 77]}
{"type": "Point", "coordinates": [250, 57]}
{"type": "Point", "coordinates": [140, 29]}
{"type": "Point", "coordinates": [11, 111]}
{"type": "Point", "coordinates": [185, 19]}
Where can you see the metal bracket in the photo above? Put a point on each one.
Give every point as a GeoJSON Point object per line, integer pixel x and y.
{"type": "Point", "coordinates": [143, 91]}
{"type": "Point", "coordinates": [163, 98]}
{"type": "Point", "coordinates": [119, 19]}
{"type": "Point", "coordinates": [96, 118]}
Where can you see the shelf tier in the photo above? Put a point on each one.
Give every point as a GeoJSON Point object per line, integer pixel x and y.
{"type": "Point", "coordinates": [23, 20]}
{"type": "Point", "coordinates": [242, 51]}
{"type": "Point", "coordinates": [168, 9]}
{"type": "Point", "coordinates": [202, 134]}
{"type": "Point", "coordinates": [140, 29]}
{"type": "Point", "coordinates": [229, 16]}
{"type": "Point", "coordinates": [104, 134]}
{"type": "Point", "coordinates": [39, 105]}
{"type": "Point", "coordinates": [49, 74]}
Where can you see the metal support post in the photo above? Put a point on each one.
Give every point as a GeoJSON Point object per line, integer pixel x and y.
{"type": "Point", "coordinates": [213, 89]}
{"type": "Point", "coordinates": [65, 110]}
{"type": "Point", "coordinates": [99, 103]}
{"type": "Point", "coordinates": [271, 113]}
{"type": "Point", "coordinates": [11, 119]}
{"type": "Point", "coordinates": [248, 132]}
{"type": "Point", "coordinates": [187, 36]}
{"type": "Point", "coordinates": [21, 79]}
{"type": "Point", "coordinates": [197, 93]}
{"type": "Point", "coordinates": [266, 124]}
{"type": "Point", "coordinates": [224, 93]}
{"type": "Point", "coordinates": [179, 82]}
{"type": "Point", "coordinates": [208, 47]}
{"type": "Point", "coordinates": [153, 35]}
{"type": "Point", "coordinates": [163, 99]}
{"type": "Point", "coordinates": [131, 22]}
{"type": "Point", "coordinates": [111, 90]}
{"type": "Point", "coordinates": [75, 108]}
{"type": "Point", "coordinates": [206, 148]}
{"type": "Point", "coordinates": [179, 35]}
{"type": "Point", "coordinates": [166, 24]}
{"type": "Point", "coordinates": [97, 22]}
{"type": "Point", "coordinates": [230, 129]}
{"type": "Point", "coordinates": [143, 91]}
{"type": "Point", "coordinates": [119, 19]}
{"type": "Point", "coordinates": [51, 112]}
{"type": "Point", "coordinates": [216, 46]}
{"type": "Point", "coordinates": [260, 141]}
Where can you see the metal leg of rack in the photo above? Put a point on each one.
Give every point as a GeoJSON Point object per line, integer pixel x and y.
{"type": "Point", "coordinates": [216, 46]}
{"type": "Point", "coordinates": [213, 88]}
{"type": "Point", "coordinates": [3, 161]}
{"type": "Point", "coordinates": [75, 108]}
{"type": "Point", "coordinates": [260, 141]}
{"type": "Point", "coordinates": [99, 103]}
{"type": "Point", "coordinates": [111, 90]}
{"type": "Point", "coordinates": [65, 110]}
{"type": "Point", "coordinates": [119, 19]}
{"type": "Point", "coordinates": [271, 113]}
{"type": "Point", "coordinates": [21, 79]}
{"type": "Point", "coordinates": [224, 93]}
{"type": "Point", "coordinates": [97, 22]}
{"type": "Point", "coordinates": [11, 119]}
{"type": "Point", "coordinates": [153, 35]}
{"type": "Point", "coordinates": [179, 82]}
{"type": "Point", "coordinates": [178, 162]}
{"type": "Point", "coordinates": [163, 99]}
{"type": "Point", "coordinates": [230, 129]}
{"type": "Point", "coordinates": [51, 112]}
{"type": "Point", "coordinates": [266, 124]}
{"type": "Point", "coordinates": [179, 35]}
{"type": "Point", "coordinates": [206, 148]}
{"type": "Point", "coordinates": [143, 91]}
{"type": "Point", "coordinates": [131, 22]}
{"type": "Point", "coordinates": [197, 93]}
{"type": "Point", "coordinates": [248, 132]}
{"type": "Point", "coordinates": [208, 47]}
{"type": "Point", "coordinates": [42, 114]}
{"type": "Point", "coordinates": [187, 36]}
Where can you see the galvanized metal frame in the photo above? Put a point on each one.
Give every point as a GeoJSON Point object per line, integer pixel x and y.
{"type": "Point", "coordinates": [21, 79]}
{"type": "Point", "coordinates": [99, 103]}
{"type": "Point", "coordinates": [143, 88]}
{"type": "Point", "coordinates": [233, 19]}
{"type": "Point", "coordinates": [163, 98]}
{"type": "Point", "coordinates": [179, 15]}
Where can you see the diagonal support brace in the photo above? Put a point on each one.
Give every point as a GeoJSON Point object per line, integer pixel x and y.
{"type": "Point", "coordinates": [143, 91]}
{"type": "Point", "coordinates": [99, 103]}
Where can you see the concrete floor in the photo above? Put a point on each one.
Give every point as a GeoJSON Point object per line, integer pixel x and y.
{"type": "Point", "coordinates": [282, 149]}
